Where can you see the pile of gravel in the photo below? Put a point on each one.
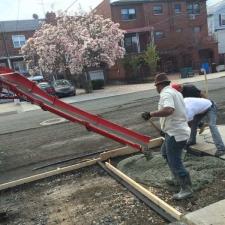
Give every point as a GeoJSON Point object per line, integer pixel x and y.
{"type": "Point", "coordinates": [203, 170]}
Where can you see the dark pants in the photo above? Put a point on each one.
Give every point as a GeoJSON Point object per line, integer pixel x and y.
{"type": "Point", "coordinates": [172, 151]}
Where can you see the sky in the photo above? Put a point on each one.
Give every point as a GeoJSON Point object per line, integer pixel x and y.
{"type": "Point", "coordinates": [24, 9]}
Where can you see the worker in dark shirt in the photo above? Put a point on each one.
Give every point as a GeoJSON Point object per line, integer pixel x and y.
{"type": "Point", "coordinates": [189, 90]}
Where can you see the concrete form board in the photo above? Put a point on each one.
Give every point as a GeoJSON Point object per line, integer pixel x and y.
{"type": "Point", "coordinates": [211, 215]}
{"type": "Point", "coordinates": [205, 143]}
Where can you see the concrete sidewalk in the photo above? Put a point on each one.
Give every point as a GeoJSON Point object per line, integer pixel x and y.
{"type": "Point", "coordinates": [108, 91]}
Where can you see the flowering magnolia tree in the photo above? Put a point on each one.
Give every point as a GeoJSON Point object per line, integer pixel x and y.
{"type": "Point", "coordinates": [75, 43]}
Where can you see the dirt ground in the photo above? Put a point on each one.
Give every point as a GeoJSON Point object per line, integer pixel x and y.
{"type": "Point", "coordinates": [85, 197]}
{"type": "Point", "coordinates": [89, 196]}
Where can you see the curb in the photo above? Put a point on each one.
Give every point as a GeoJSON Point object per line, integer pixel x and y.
{"type": "Point", "coordinates": [9, 113]}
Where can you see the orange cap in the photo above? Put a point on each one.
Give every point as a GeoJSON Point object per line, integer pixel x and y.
{"type": "Point", "coordinates": [177, 87]}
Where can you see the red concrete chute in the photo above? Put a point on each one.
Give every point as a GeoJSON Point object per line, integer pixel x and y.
{"type": "Point", "coordinates": [24, 88]}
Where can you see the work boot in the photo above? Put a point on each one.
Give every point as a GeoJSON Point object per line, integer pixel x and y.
{"type": "Point", "coordinates": [186, 190]}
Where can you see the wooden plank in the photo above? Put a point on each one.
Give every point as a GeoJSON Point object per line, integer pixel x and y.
{"type": "Point", "coordinates": [205, 142]}
{"type": "Point", "coordinates": [169, 209]}
{"type": "Point", "coordinates": [128, 150]}
{"type": "Point", "coordinates": [47, 174]}
{"type": "Point", "coordinates": [207, 148]}
{"type": "Point", "coordinates": [104, 156]}
{"type": "Point", "coordinates": [157, 142]}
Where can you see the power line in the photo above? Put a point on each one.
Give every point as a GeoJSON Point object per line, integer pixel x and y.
{"type": "Point", "coordinates": [41, 2]}
{"type": "Point", "coordinates": [70, 5]}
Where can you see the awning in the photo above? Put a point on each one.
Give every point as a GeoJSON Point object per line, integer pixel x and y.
{"type": "Point", "coordinates": [139, 30]}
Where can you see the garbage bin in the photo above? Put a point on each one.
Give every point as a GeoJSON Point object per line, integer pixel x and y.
{"type": "Point", "coordinates": [186, 72]}
{"type": "Point", "coordinates": [214, 67]}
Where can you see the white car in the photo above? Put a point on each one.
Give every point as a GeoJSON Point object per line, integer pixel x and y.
{"type": "Point", "coordinates": [37, 79]}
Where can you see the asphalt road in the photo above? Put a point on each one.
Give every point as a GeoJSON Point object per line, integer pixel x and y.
{"type": "Point", "coordinates": [26, 144]}
{"type": "Point", "coordinates": [33, 119]}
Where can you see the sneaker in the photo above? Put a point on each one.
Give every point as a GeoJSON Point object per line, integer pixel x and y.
{"type": "Point", "coordinates": [219, 153]}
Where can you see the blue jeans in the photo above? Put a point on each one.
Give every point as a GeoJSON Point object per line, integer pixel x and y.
{"type": "Point", "coordinates": [171, 150]}
{"type": "Point", "coordinates": [211, 116]}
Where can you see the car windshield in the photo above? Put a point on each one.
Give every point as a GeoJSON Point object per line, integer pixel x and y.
{"type": "Point", "coordinates": [61, 82]}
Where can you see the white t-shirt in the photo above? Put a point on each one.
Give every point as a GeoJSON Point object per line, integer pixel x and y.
{"type": "Point", "coordinates": [196, 106]}
{"type": "Point", "coordinates": [175, 124]}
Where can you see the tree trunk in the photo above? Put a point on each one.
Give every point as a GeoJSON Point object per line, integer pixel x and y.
{"type": "Point", "coordinates": [68, 74]}
{"type": "Point", "coordinates": [87, 82]}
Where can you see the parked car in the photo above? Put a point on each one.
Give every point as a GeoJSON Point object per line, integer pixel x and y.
{"type": "Point", "coordinates": [63, 88]}
{"type": "Point", "coordinates": [47, 87]}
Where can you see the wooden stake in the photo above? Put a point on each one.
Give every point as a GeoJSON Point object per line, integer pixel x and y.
{"type": "Point", "coordinates": [169, 209]}
{"type": "Point", "coordinates": [206, 84]}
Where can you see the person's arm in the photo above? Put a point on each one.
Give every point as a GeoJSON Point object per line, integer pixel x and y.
{"type": "Point", "coordinates": [164, 112]}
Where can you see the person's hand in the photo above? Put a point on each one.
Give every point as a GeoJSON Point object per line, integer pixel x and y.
{"type": "Point", "coordinates": [146, 115]}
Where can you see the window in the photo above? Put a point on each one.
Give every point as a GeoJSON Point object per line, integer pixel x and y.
{"type": "Point", "coordinates": [20, 66]}
{"type": "Point", "coordinates": [18, 41]}
{"type": "Point", "coordinates": [128, 14]}
{"type": "Point", "coordinates": [193, 8]}
{"type": "Point", "coordinates": [131, 43]}
{"type": "Point", "coordinates": [177, 8]}
{"type": "Point", "coordinates": [159, 35]}
{"type": "Point", "coordinates": [179, 30]}
{"type": "Point", "coordinates": [157, 9]}
{"type": "Point", "coordinates": [196, 29]}
{"type": "Point", "coordinates": [222, 19]}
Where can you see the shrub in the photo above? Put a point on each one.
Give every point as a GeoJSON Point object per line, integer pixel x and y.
{"type": "Point", "coordinates": [97, 84]}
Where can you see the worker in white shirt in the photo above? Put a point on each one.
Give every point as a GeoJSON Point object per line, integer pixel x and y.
{"type": "Point", "coordinates": [173, 120]}
{"type": "Point", "coordinates": [197, 109]}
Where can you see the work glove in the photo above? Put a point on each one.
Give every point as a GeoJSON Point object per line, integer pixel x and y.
{"type": "Point", "coordinates": [146, 115]}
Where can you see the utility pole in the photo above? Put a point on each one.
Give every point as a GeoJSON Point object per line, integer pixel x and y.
{"type": "Point", "coordinates": [5, 45]}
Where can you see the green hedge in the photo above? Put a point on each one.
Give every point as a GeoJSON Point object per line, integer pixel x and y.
{"type": "Point", "coordinates": [97, 84]}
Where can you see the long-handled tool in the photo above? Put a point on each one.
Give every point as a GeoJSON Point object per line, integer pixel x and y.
{"type": "Point", "coordinates": [161, 133]}
{"type": "Point", "coordinates": [155, 126]}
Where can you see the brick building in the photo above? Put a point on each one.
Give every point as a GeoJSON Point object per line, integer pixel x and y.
{"type": "Point", "coordinates": [13, 35]}
{"type": "Point", "coordinates": [178, 28]}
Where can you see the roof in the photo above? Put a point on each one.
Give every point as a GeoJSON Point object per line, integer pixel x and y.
{"type": "Point", "coordinates": [216, 8]}
{"type": "Point", "coordinates": [120, 2]}
{"type": "Point", "coordinates": [20, 25]}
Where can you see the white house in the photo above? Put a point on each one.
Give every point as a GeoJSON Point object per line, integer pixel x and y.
{"type": "Point", "coordinates": [216, 26]}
